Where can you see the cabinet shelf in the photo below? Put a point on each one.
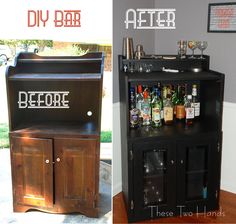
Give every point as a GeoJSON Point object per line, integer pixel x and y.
{"type": "Point", "coordinates": [168, 76]}
{"type": "Point", "coordinates": [176, 129]}
{"type": "Point", "coordinates": [56, 129]}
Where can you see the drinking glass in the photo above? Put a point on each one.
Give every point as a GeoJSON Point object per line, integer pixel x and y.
{"type": "Point", "coordinates": [192, 44]}
{"type": "Point", "coordinates": [202, 45]}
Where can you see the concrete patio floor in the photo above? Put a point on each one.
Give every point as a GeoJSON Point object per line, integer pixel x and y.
{"type": "Point", "coordinates": [34, 217]}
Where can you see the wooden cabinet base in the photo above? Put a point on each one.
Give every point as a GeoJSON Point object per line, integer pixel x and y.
{"type": "Point", "coordinates": [58, 175]}
{"type": "Point", "coordinates": [90, 212]}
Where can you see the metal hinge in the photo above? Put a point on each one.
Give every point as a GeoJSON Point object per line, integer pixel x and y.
{"type": "Point", "coordinates": [216, 194]}
{"type": "Point", "coordinates": [132, 205]}
{"type": "Point", "coordinates": [131, 155]}
{"type": "Point", "coordinates": [218, 147]}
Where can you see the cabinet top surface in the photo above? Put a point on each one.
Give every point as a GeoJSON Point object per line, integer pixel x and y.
{"type": "Point", "coordinates": [56, 129]}
{"type": "Point", "coordinates": [55, 76]}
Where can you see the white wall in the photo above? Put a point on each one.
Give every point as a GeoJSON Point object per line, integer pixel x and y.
{"type": "Point", "coordinates": [228, 169]}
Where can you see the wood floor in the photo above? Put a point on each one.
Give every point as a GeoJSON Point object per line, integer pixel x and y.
{"type": "Point", "coordinates": [227, 204]}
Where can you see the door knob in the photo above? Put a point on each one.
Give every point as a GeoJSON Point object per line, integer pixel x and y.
{"type": "Point", "coordinates": [47, 161]}
{"type": "Point", "coordinates": [181, 161]}
{"type": "Point", "coordinates": [172, 161]}
{"type": "Point", "coordinates": [58, 159]}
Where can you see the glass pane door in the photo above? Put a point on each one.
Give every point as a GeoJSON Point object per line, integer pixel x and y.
{"type": "Point", "coordinates": [196, 172]}
{"type": "Point", "coordinates": [154, 178]}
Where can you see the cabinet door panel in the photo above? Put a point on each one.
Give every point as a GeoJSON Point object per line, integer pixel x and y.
{"type": "Point", "coordinates": [32, 171]}
{"type": "Point", "coordinates": [196, 186]}
{"type": "Point", "coordinates": [154, 179]}
{"type": "Point", "coordinates": [75, 175]}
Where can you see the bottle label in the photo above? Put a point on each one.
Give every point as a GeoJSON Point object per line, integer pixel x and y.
{"type": "Point", "coordinates": [196, 109]}
{"type": "Point", "coordinates": [146, 113]}
{"type": "Point", "coordinates": [138, 105]}
{"type": "Point", "coordinates": [156, 115]}
{"type": "Point", "coordinates": [189, 113]}
{"type": "Point", "coordinates": [194, 92]}
{"type": "Point", "coordinates": [134, 117]}
{"type": "Point", "coordinates": [180, 111]}
{"type": "Point", "coordinates": [168, 113]}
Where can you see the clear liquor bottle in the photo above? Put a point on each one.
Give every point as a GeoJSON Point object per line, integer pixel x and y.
{"type": "Point", "coordinates": [134, 112]}
{"type": "Point", "coordinates": [189, 109]}
{"type": "Point", "coordinates": [139, 101]}
{"type": "Point", "coordinates": [196, 103]}
{"type": "Point", "coordinates": [156, 108]}
{"type": "Point", "coordinates": [139, 97]}
{"type": "Point", "coordinates": [146, 108]}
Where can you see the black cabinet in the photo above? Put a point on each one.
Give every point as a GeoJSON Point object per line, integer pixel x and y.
{"type": "Point", "coordinates": [173, 169]}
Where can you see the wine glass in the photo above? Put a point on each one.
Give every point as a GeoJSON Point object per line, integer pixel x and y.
{"type": "Point", "coordinates": [192, 44]}
{"type": "Point", "coordinates": [202, 45]}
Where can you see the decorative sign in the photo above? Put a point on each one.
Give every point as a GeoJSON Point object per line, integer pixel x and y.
{"type": "Point", "coordinates": [61, 18]}
{"type": "Point", "coordinates": [222, 17]}
{"type": "Point", "coordinates": [43, 99]}
{"type": "Point", "coordinates": [150, 19]}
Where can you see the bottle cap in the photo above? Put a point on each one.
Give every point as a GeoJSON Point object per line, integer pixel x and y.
{"type": "Point", "coordinates": [140, 89]}
{"type": "Point", "coordinates": [145, 94]}
{"type": "Point", "coordinates": [189, 97]}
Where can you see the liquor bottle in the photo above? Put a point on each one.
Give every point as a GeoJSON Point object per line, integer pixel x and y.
{"type": "Point", "coordinates": [164, 95]}
{"type": "Point", "coordinates": [189, 109]}
{"type": "Point", "coordinates": [180, 109]}
{"type": "Point", "coordinates": [134, 112]}
{"type": "Point", "coordinates": [160, 96]}
{"type": "Point", "coordinates": [156, 108]}
{"type": "Point", "coordinates": [146, 108]}
{"type": "Point", "coordinates": [139, 97]}
{"type": "Point", "coordinates": [168, 109]}
{"type": "Point", "coordinates": [139, 101]}
{"type": "Point", "coordinates": [196, 103]}
{"type": "Point", "coordinates": [174, 91]}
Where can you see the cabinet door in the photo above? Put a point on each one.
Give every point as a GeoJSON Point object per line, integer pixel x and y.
{"type": "Point", "coordinates": [76, 173]}
{"type": "Point", "coordinates": [197, 183]}
{"type": "Point", "coordinates": [154, 179]}
{"type": "Point", "coordinates": [32, 171]}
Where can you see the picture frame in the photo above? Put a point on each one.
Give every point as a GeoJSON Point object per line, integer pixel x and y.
{"type": "Point", "coordinates": [222, 17]}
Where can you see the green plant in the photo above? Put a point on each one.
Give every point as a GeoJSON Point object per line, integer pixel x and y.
{"type": "Point", "coordinates": [106, 136]}
{"type": "Point", "coordinates": [4, 139]}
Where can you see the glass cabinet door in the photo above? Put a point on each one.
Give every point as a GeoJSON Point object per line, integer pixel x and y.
{"type": "Point", "coordinates": [154, 178]}
{"type": "Point", "coordinates": [196, 174]}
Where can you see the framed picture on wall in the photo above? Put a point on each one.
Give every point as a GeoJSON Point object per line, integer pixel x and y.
{"type": "Point", "coordinates": [222, 17]}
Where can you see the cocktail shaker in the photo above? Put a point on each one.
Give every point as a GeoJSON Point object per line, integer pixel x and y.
{"type": "Point", "coordinates": [128, 48]}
